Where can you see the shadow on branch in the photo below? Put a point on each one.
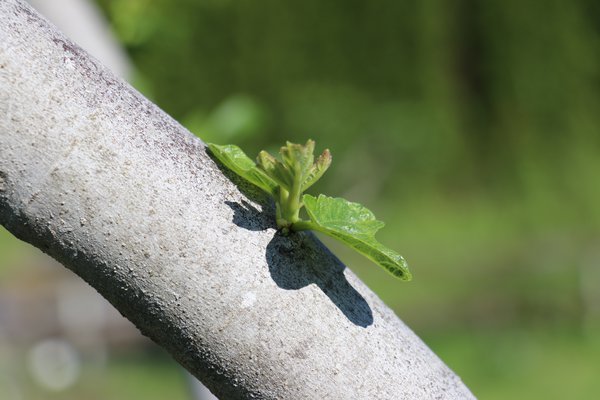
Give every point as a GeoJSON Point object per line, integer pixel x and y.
{"type": "Point", "coordinates": [299, 259]}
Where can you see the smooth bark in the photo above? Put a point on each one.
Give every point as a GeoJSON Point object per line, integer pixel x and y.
{"type": "Point", "coordinates": [101, 179]}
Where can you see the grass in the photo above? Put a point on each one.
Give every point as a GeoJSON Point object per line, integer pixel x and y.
{"type": "Point", "coordinates": [523, 364]}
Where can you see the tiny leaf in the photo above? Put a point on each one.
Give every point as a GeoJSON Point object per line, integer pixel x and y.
{"type": "Point", "coordinates": [236, 160]}
{"type": "Point", "coordinates": [356, 226]}
{"type": "Point", "coordinates": [298, 158]}
{"type": "Point", "coordinates": [317, 169]}
{"type": "Point", "coordinates": [275, 169]}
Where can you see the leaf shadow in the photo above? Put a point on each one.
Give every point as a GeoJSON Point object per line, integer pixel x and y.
{"type": "Point", "coordinates": [300, 259]}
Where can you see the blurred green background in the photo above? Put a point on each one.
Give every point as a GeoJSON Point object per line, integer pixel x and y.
{"type": "Point", "coordinates": [471, 128]}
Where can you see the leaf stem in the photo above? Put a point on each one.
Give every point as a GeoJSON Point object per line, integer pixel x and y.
{"type": "Point", "coordinates": [303, 225]}
{"type": "Point", "coordinates": [290, 203]}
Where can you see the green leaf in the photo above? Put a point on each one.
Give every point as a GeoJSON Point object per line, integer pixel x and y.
{"type": "Point", "coordinates": [317, 169]}
{"type": "Point", "coordinates": [275, 170]}
{"type": "Point", "coordinates": [298, 158]}
{"type": "Point", "coordinates": [354, 225]}
{"type": "Point", "coordinates": [236, 160]}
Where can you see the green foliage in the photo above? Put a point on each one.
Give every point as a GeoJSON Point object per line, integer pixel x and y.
{"type": "Point", "coordinates": [237, 118]}
{"type": "Point", "coordinates": [355, 225]}
{"type": "Point", "coordinates": [286, 180]}
{"type": "Point", "coordinates": [237, 161]}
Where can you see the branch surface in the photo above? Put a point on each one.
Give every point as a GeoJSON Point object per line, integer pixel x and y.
{"type": "Point", "coordinates": [101, 179]}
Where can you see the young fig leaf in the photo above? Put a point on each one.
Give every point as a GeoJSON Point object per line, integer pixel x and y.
{"type": "Point", "coordinates": [275, 170]}
{"type": "Point", "coordinates": [298, 158]}
{"type": "Point", "coordinates": [317, 169]}
{"type": "Point", "coordinates": [354, 225]}
{"type": "Point", "coordinates": [286, 181]}
{"type": "Point", "coordinates": [236, 160]}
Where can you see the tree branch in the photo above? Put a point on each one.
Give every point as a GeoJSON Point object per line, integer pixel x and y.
{"type": "Point", "coordinates": [98, 177]}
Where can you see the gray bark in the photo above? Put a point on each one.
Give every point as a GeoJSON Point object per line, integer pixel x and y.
{"type": "Point", "coordinates": [101, 179]}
